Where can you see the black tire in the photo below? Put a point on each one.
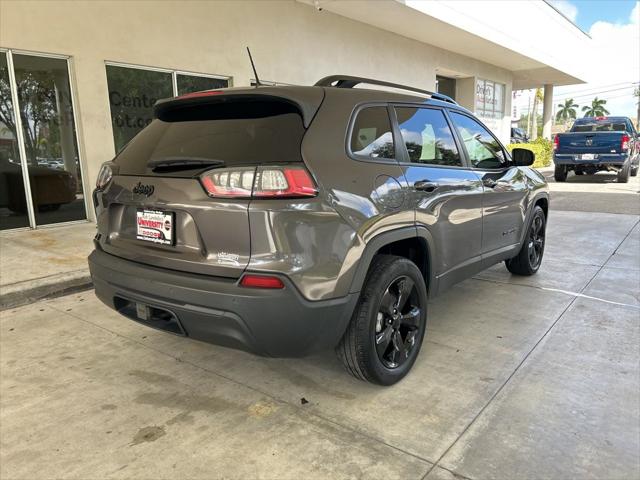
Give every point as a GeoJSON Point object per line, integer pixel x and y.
{"type": "Point", "coordinates": [529, 258]}
{"type": "Point", "coordinates": [560, 173]}
{"type": "Point", "coordinates": [579, 172]}
{"type": "Point", "coordinates": [624, 172]}
{"type": "Point", "coordinates": [380, 346]}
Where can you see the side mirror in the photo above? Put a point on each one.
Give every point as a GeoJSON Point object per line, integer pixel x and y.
{"type": "Point", "coordinates": [523, 157]}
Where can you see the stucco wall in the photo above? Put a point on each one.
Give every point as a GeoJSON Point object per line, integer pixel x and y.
{"type": "Point", "coordinates": [290, 42]}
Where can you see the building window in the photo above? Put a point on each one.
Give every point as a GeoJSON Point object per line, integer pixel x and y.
{"type": "Point", "coordinates": [489, 99]}
{"type": "Point", "coordinates": [40, 174]}
{"type": "Point", "coordinates": [134, 90]}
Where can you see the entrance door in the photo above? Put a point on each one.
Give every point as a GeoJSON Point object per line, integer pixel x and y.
{"type": "Point", "coordinates": [37, 114]}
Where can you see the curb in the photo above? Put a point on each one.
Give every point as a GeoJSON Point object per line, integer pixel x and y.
{"type": "Point", "coordinates": [24, 293]}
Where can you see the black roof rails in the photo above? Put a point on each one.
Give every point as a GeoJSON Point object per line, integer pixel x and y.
{"type": "Point", "coordinates": [346, 81]}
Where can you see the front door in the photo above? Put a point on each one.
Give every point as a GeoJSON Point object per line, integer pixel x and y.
{"type": "Point", "coordinates": [505, 188]}
{"type": "Point", "coordinates": [446, 195]}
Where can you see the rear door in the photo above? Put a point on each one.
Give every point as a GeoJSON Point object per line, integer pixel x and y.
{"type": "Point", "coordinates": [505, 186]}
{"type": "Point", "coordinates": [157, 189]}
{"type": "Point", "coordinates": [446, 195]}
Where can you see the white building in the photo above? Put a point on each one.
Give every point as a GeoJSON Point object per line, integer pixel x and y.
{"type": "Point", "coordinates": [95, 68]}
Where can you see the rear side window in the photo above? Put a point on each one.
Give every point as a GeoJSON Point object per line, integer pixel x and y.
{"type": "Point", "coordinates": [427, 137]}
{"type": "Point", "coordinates": [483, 150]}
{"type": "Point", "coordinates": [371, 135]}
{"type": "Point", "coordinates": [231, 133]}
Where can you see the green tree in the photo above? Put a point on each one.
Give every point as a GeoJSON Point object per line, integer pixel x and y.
{"type": "Point", "coordinates": [566, 111]}
{"type": "Point", "coordinates": [596, 109]}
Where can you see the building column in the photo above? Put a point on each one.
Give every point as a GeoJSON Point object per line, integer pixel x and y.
{"type": "Point", "coordinates": [547, 112]}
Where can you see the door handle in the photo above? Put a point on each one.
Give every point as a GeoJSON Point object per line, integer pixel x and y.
{"type": "Point", "coordinates": [425, 186]}
{"type": "Point", "coordinates": [489, 183]}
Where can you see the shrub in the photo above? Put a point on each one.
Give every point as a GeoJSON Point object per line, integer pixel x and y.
{"type": "Point", "coordinates": [542, 149]}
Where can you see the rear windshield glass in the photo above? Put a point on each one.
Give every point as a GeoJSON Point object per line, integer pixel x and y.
{"type": "Point", "coordinates": [600, 126]}
{"type": "Point", "coordinates": [228, 134]}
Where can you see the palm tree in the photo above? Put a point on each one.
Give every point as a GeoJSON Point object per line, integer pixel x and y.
{"type": "Point", "coordinates": [566, 111]}
{"type": "Point", "coordinates": [596, 109]}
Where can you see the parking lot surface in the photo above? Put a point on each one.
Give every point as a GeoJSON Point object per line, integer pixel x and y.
{"type": "Point", "coordinates": [519, 377]}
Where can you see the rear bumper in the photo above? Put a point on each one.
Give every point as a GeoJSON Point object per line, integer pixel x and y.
{"type": "Point", "coordinates": [279, 323]}
{"type": "Point", "coordinates": [600, 160]}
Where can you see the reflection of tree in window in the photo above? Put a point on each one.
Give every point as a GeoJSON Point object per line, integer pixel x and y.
{"type": "Point", "coordinates": [38, 112]}
{"type": "Point", "coordinates": [427, 137]}
{"type": "Point", "coordinates": [371, 135]}
{"type": "Point", "coordinates": [483, 149]}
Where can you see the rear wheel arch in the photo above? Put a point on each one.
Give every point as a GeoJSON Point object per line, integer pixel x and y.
{"type": "Point", "coordinates": [413, 243]}
{"type": "Point", "coordinates": [543, 203]}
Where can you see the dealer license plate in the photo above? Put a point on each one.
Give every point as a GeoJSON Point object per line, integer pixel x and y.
{"type": "Point", "coordinates": [155, 226]}
{"type": "Point", "coordinates": [587, 156]}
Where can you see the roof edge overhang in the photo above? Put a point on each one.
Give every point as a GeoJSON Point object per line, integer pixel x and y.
{"type": "Point", "coordinates": [461, 28]}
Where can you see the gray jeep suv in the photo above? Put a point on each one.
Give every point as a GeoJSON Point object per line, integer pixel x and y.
{"type": "Point", "coordinates": [284, 220]}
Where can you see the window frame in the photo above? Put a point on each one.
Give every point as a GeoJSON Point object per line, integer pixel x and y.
{"type": "Point", "coordinates": [351, 125]}
{"type": "Point", "coordinates": [173, 71]}
{"type": "Point", "coordinates": [507, 156]}
{"type": "Point", "coordinates": [405, 159]}
{"type": "Point", "coordinates": [483, 112]}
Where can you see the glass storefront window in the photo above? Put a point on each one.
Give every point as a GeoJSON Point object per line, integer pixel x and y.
{"type": "Point", "coordinates": [489, 99]}
{"type": "Point", "coordinates": [49, 141]}
{"type": "Point", "coordinates": [134, 90]}
{"type": "Point", "coordinates": [194, 83]}
{"type": "Point", "coordinates": [132, 93]}
{"type": "Point", "coordinates": [13, 202]}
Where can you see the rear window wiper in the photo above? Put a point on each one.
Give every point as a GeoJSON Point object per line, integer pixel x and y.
{"type": "Point", "coordinates": [183, 163]}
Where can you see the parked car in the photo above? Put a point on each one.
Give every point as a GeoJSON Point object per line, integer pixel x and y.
{"type": "Point", "coordinates": [597, 144]}
{"type": "Point", "coordinates": [284, 220]}
{"type": "Point", "coordinates": [50, 187]}
{"type": "Point", "coordinates": [518, 135]}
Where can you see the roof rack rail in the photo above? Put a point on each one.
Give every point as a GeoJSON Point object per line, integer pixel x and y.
{"type": "Point", "coordinates": [346, 81]}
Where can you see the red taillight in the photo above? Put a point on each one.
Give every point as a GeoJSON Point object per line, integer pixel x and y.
{"type": "Point", "coordinates": [556, 143]}
{"type": "Point", "coordinates": [260, 182]}
{"type": "Point", "coordinates": [624, 142]}
{"type": "Point", "coordinates": [283, 182]}
{"type": "Point", "coordinates": [261, 281]}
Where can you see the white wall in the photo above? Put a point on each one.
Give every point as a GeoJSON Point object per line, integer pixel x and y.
{"type": "Point", "coordinates": [290, 42]}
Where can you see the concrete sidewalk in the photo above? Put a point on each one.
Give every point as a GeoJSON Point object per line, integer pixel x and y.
{"type": "Point", "coordinates": [41, 263]}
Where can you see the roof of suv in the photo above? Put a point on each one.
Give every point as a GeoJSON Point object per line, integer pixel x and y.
{"type": "Point", "coordinates": [307, 98]}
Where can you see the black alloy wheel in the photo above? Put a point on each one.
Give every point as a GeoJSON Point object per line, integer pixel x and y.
{"type": "Point", "coordinates": [388, 325]}
{"type": "Point", "coordinates": [397, 322]}
{"type": "Point", "coordinates": [536, 242]}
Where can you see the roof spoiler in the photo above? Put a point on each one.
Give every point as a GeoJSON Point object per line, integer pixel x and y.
{"type": "Point", "coordinates": [346, 81]}
{"type": "Point", "coordinates": [305, 100]}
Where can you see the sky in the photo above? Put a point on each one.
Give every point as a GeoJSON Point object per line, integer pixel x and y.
{"type": "Point", "coordinates": [614, 26]}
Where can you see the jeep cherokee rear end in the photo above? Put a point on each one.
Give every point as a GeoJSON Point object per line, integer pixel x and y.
{"type": "Point", "coordinates": [224, 171]}
{"type": "Point", "coordinates": [285, 220]}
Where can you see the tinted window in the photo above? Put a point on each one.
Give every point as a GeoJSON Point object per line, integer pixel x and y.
{"type": "Point", "coordinates": [371, 136]}
{"type": "Point", "coordinates": [235, 133]}
{"type": "Point", "coordinates": [132, 93]}
{"type": "Point", "coordinates": [483, 149]}
{"type": "Point", "coordinates": [428, 137]}
{"type": "Point", "coordinates": [194, 83]}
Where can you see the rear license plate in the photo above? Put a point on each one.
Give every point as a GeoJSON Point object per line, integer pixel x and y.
{"type": "Point", "coordinates": [587, 156]}
{"type": "Point", "coordinates": [155, 226]}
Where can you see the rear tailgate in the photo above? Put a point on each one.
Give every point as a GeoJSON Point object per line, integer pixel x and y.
{"type": "Point", "coordinates": [196, 233]}
{"type": "Point", "coordinates": [589, 142]}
